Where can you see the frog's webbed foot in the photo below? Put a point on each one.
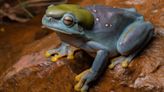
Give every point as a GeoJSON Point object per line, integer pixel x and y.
{"type": "Point", "coordinates": [83, 80]}
{"type": "Point", "coordinates": [124, 61]}
{"type": "Point", "coordinates": [65, 50]}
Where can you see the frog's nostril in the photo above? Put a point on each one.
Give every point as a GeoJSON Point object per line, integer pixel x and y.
{"type": "Point", "coordinates": [50, 5]}
{"type": "Point", "coordinates": [48, 18]}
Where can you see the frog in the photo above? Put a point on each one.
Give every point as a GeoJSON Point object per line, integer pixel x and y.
{"type": "Point", "coordinates": [114, 35]}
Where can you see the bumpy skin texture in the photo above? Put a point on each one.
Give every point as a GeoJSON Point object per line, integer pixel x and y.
{"type": "Point", "coordinates": [104, 31]}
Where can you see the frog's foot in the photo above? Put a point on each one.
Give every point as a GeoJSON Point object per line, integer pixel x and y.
{"type": "Point", "coordinates": [64, 50]}
{"type": "Point", "coordinates": [124, 61]}
{"type": "Point", "coordinates": [84, 79]}
{"type": "Point", "coordinates": [57, 51]}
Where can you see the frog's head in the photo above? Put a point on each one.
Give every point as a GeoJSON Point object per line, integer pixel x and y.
{"type": "Point", "coordinates": [68, 19]}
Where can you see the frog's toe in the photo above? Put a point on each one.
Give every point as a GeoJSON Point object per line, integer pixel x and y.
{"type": "Point", "coordinates": [56, 57]}
{"type": "Point", "coordinates": [71, 52]}
{"type": "Point", "coordinates": [111, 66]}
{"type": "Point", "coordinates": [116, 61]}
{"type": "Point", "coordinates": [125, 63]}
{"type": "Point", "coordinates": [51, 52]}
{"type": "Point", "coordinates": [47, 54]}
{"type": "Point", "coordinates": [78, 77]}
{"type": "Point", "coordinates": [81, 86]}
{"type": "Point", "coordinates": [70, 56]}
{"type": "Point", "coordinates": [77, 87]}
{"type": "Point", "coordinates": [85, 88]}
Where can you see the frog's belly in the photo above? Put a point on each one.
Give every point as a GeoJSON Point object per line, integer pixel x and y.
{"type": "Point", "coordinates": [76, 41]}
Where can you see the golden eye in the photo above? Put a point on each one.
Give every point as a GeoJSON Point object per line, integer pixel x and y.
{"type": "Point", "coordinates": [68, 20]}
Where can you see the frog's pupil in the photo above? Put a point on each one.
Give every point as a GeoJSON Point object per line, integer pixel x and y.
{"type": "Point", "coordinates": [68, 20]}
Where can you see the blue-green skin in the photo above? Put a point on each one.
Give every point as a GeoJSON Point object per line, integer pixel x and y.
{"type": "Point", "coordinates": [114, 32]}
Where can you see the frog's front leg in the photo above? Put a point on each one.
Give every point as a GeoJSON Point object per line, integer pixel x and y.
{"type": "Point", "coordinates": [132, 41]}
{"type": "Point", "coordinates": [64, 50]}
{"type": "Point", "coordinates": [89, 75]}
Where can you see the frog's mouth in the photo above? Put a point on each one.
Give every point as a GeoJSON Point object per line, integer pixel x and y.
{"type": "Point", "coordinates": [57, 29]}
{"type": "Point", "coordinates": [53, 25]}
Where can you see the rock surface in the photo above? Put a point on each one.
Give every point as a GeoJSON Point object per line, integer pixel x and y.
{"type": "Point", "coordinates": [35, 73]}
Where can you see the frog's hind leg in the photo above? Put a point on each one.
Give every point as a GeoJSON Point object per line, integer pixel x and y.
{"type": "Point", "coordinates": [132, 41]}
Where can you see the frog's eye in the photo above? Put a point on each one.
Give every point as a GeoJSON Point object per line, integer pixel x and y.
{"type": "Point", "coordinates": [68, 21]}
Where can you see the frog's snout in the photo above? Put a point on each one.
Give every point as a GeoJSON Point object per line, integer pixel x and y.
{"type": "Point", "coordinates": [48, 20]}
{"type": "Point", "coordinates": [44, 19]}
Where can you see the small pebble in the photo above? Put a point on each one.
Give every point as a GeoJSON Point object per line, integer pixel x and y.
{"type": "Point", "coordinates": [95, 11]}
{"type": "Point", "coordinates": [2, 29]}
{"type": "Point", "coordinates": [97, 19]}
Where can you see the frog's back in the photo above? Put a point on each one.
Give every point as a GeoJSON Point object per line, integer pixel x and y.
{"type": "Point", "coordinates": [109, 18]}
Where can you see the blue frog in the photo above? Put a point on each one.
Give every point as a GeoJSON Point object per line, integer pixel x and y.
{"type": "Point", "coordinates": [105, 32]}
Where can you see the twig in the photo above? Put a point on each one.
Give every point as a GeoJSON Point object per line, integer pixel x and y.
{"type": "Point", "coordinates": [25, 9]}
{"type": "Point", "coordinates": [13, 16]}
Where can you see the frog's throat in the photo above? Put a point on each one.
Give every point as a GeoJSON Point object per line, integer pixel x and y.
{"type": "Point", "coordinates": [58, 30]}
